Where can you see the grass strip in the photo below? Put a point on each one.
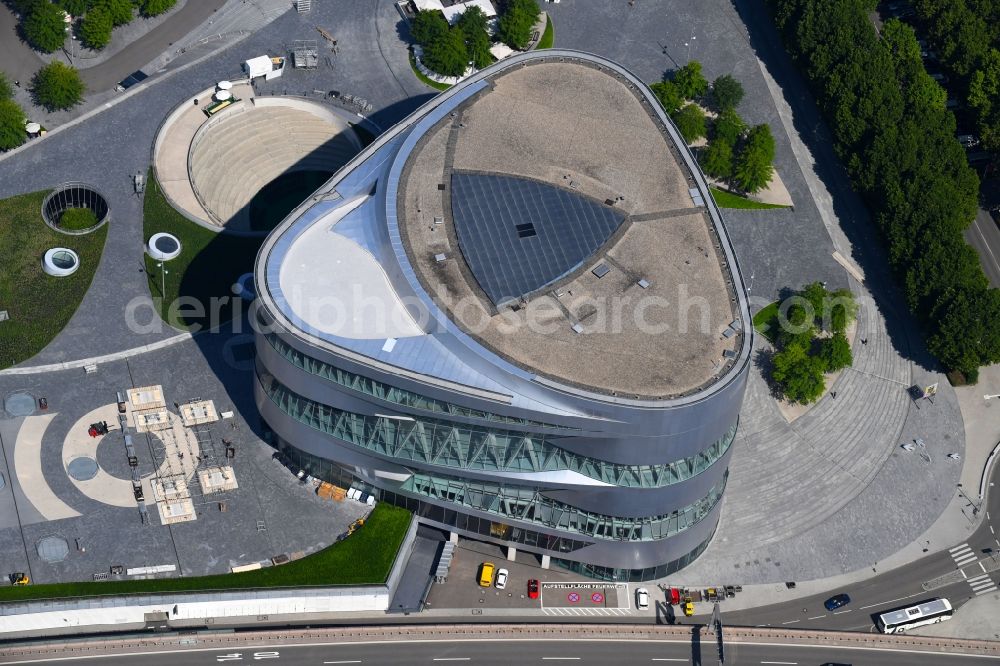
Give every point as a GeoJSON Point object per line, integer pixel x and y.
{"type": "Point", "coordinates": [766, 321]}
{"type": "Point", "coordinates": [38, 305]}
{"type": "Point", "coordinates": [729, 200]}
{"type": "Point", "coordinates": [364, 558]}
{"type": "Point", "coordinates": [548, 37]}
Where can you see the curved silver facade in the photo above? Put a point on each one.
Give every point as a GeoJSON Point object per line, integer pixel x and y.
{"type": "Point", "coordinates": [611, 486]}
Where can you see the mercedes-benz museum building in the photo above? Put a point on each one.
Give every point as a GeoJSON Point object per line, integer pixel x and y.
{"type": "Point", "coordinates": [517, 313]}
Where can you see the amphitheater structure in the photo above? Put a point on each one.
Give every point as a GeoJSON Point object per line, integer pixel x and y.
{"type": "Point", "coordinates": [211, 168]}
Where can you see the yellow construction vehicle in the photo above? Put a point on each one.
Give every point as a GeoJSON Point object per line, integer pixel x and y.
{"type": "Point", "coordinates": [355, 525]}
{"type": "Point", "coordinates": [19, 579]}
{"type": "Point", "coordinates": [688, 606]}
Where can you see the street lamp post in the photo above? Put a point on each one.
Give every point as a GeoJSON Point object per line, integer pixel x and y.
{"type": "Point", "coordinates": [163, 281]}
{"type": "Point", "coordinates": [975, 509]}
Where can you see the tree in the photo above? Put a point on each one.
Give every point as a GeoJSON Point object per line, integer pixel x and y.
{"type": "Point", "coordinates": [427, 27]}
{"type": "Point", "coordinates": [799, 375]}
{"type": "Point", "coordinates": [727, 92]}
{"type": "Point", "coordinates": [753, 164]}
{"type": "Point", "coordinates": [75, 7]}
{"type": "Point", "coordinates": [690, 121]}
{"type": "Point", "coordinates": [156, 7]}
{"type": "Point", "coordinates": [516, 23]}
{"type": "Point", "coordinates": [472, 23]}
{"type": "Point", "coordinates": [965, 335]}
{"type": "Point", "coordinates": [44, 27]}
{"type": "Point", "coordinates": [835, 353]}
{"type": "Point", "coordinates": [796, 328]}
{"type": "Point", "coordinates": [669, 96]}
{"type": "Point", "coordinates": [717, 159]}
{"type": "Point", "coordinates": [729, 127]}
{"type": "Point", "coordinates": [57, 86]}
{"type": "Point", "coordinates": [984, 98]}
{"type": "Point", "coordinates": [12, 119]}
{"type": "Point", "coordinates": [119, 10]}
{"type": "Point", "coordinates": [95, 30]}
{"type": "Point", "coordinates": [690, 81]}
{"type": "Point", "coordinates": [447, 55]}
{"type": "Point", "coordinates": [6, 92]}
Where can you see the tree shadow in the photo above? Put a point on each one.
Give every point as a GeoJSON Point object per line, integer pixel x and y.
{"type": "Point", "coordinates": [763, 360]}
{"type": "Point", "coordinates": [865, 241]}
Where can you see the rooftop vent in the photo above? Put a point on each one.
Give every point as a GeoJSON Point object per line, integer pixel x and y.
{"type": "Point", "coordinates": [644, 283]}
{"type": "Point", "coordinates": [577, 328]}
{"type": "Point", "coordinates": [440, 257]}
{"type": "Point", "coordinates": [601, 270]}
{"type": "Point", "coordinates": [438, 220]}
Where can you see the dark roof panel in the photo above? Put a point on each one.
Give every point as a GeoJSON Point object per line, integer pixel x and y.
{"type": "Point", "coordinates": [519, 235]}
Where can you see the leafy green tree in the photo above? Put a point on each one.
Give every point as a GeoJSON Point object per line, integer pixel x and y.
{"type": "Point", "coordinates": [717, 159]}
{"type": "Point", "coordinates": [729, 127]}
{"type": "Point", "coordinates": [727, 92]}
{"type": "Point", "coordinates": [95, 29]}
{"type": "Point", "coordinates": [57, 86]}
{"type": "Point", "coordinates": [799, 375]}
{"type": "Point", "coordinates": [516, 23]}
{"type": "Point", "coordinates": [754, 168]}
{"type": "Point", "coordinates": [843, 310]}
{"type": "Point", "coordinates": [447, 55]}
{"type": "Point", "coordinates": [669, 96]}
{"type": "Point", "coordinates": [984, 99]}
{"type": "Point", "coordinates": [12, 119]}
{"type": "Point", "coordinates": [690, 121]}
{"type": "Point", "coordinates": [965, 334]}
{"type": "Point", "coordinates": [6, 91]}
{"type": "Point", "coordinates": [156, 7]}
{"type": "Point", "coordinates": [428, 27]}
{"type": "Point", "coordinates": [44, 27]}
{"type": "Point", "coordinates": [835, 353]}
{"type": "Point", "coordinates": [796, 326]}
{"type": "Point", "coordinates": [689, 80]}
{"type": "Point", "coordinates": [119, 10]}
{"type": "Point", "coordinates": [472, 23]}
{"type": "Point", "coordinates": [75, 7]}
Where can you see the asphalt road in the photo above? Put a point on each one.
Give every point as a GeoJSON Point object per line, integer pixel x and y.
{"type": "Point", "coordinates": [702, 650]}
{"type": "Point", "coordinates": [893, 589]}
{"type": "Point", "coordinates": [984, 236]}
{"type": "Point", "coordinates": [20, 62]}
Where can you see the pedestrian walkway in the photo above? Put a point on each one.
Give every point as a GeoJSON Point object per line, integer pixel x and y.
{"type": "Point", "coordinates": [962, 555]}
{"type": "Point", "coordinates": [563, 612]}
{"type": "Point", "coordinates": [982, 584]}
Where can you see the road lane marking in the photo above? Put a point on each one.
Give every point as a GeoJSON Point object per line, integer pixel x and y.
{"type": "Point", "coordinates": [668, 659]}
{"type": "Point", "coordinates": [779, 662]}
{"type": "Point", "coordinates": [819, 617]}
{"type": "Point", "coordinates": [842, 612]}
{"type": "Point", "coordinates": [791, 622]}
{"type": "Point", "coordinates": [346, 661]}
{"type": "Point", "coordinates": [892, 601]}
{"type": "Point", "coordinates": [982, 567]}
{"type": "Point", "coordinates": [452, 658]}
{"type": "Point", "coordinates": [560, 659]}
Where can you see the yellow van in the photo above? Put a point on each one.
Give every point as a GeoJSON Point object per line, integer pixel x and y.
{"type": "Point", "coordinates": [486, 574]}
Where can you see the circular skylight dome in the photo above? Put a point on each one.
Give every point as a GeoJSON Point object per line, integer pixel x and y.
{"type": "Point", "coordinates": [163, 246]}
{"type": "Point", "coordinates": [60, 262]}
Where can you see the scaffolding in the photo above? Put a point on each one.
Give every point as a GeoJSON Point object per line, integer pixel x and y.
{"type": "Point", "coordinates": [305, 54]}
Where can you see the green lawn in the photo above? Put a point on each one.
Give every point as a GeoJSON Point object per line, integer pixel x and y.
{"type": "Point", "coordinates": [548, 37]}
{"type": "Point", "coordinates": [39, 305]}
{"type": "Point", "coordinates": [729, 200]}
{"type": "Point", "coordinates": [77, 219]}
{"type": "Point", "coordinates": [206, 269]}
{"type": "Point", "coordinates": [766, 321]}
{"type": "Point", "coordinates": [420, 75]}
{"type": "Point", "coordinates": [364, 558]}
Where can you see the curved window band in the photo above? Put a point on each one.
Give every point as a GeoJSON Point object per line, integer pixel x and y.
{"type": "Point", "coordinates": [371, 388]}
{"type": "Point", "coordinates": [527, 505]}
{"type": "Point", "coordinates": [446, 444]}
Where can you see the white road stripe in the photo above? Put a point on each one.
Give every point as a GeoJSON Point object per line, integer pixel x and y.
{"type": "Point", "coordinates": [842, 612]}
{"type": "Point", "coordinates": [982, 567]}
{"type": "Point", "coordinates": [985, 585]}
{"type": "Point", "coordinates": [822, 616]}
{"type": "Point", "coordinates": [346, 661]}
{"type": "Point", "coordinates": [452, 658]}
{"type": "Point", "coordinates": [985, 591]}
{"type": "Point", "coordinates": [668, 659]}
{"type": "Point", "coordinates": [980, 577]}
{"type": "Point", "coordinates": [968, 559]}
{"type": "Point", "coordinates": [964, 546]}
{"type": "Point", "coordinates": [791, 622]}
{"type": "Point", "coordinates": [779, 662]}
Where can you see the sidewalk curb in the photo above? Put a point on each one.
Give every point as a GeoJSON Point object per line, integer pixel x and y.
{"type": "Point", "coordinates": [986, 472]}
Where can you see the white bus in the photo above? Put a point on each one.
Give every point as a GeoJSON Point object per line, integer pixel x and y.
{"type": "Point", "coordinates": [904, 619]}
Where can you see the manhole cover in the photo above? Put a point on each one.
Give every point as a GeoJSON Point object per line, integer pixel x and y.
{"type": "Point", "coordinates": [53, 549]}
{"type": "Point", "coordinates": [19, 404]}
{"type": "Point", "coordinates": [82, 468]}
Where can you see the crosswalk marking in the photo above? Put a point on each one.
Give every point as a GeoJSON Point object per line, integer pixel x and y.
{"type": "Point", "coordinates": [982, 584]}
{"type": "Point", "coordinates": [963, 555]}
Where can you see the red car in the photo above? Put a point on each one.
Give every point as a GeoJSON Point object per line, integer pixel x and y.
{"type": "Point", "coordinates": [532, 589]}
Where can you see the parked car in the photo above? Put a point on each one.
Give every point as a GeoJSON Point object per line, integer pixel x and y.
{"type": "Point", "coordinates": [533, 589]}
{"type": "Point", "coordinates": [502, 575]}
{"type": "Point", "coordinates": [642, 598]}
{"type": "Point", "coordinates": [836, 601]}
{"type": "Point", "coordinates": [486, 574]}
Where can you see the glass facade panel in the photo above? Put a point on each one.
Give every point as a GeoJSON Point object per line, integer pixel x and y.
{"type": "Point", "coordinates": [435, 442]}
